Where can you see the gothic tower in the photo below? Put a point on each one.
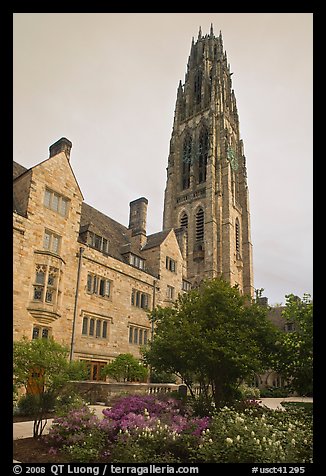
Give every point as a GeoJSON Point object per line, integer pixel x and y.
{"type": "Point", "coordinates": [206, 191]}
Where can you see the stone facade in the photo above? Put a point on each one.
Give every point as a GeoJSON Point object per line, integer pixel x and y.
{"type": "Point", "coordinates": [206, 189]}
{"type": "Point", "coordinates": [81, 277]}
{"type": "Point", "coordinates": [89, 281]}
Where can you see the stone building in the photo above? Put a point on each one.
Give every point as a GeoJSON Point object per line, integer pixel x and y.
{"type": "Point", "coordinates": [89, 281]}
{"type": "Point", "coordinates": [80, 276]}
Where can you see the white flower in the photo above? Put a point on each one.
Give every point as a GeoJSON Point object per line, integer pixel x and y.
{"type": "Point", "coordinates": [229, 441]}
{"type": "Point", "coordinates": [252, 433]}
{"type": "Point", "coordinates": [293, 441]}
{"type": "Point", "coordinates": [305, 442]}
{"type": "Point", "coordinates": [258, 441]}
{"type": "Point", "coordinates": [238, 438]}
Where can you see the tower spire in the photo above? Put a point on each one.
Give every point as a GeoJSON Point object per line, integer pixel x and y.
{"type": "Point", "coordinates": [205, 157]}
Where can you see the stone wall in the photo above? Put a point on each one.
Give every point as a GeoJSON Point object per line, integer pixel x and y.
{"type": "Point", "coordinates": [103, 392]}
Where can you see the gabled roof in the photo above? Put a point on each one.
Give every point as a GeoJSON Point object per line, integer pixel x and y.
{"type": "Point", "coordinates": [156, 239]}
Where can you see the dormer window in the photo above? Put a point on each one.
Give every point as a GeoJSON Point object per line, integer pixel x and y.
{"type": "Point", "coordinates": [136, 261]}
{"type": "Point", "coordinates": [98, 242]}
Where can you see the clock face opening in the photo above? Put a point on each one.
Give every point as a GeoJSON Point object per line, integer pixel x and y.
{"type": "Point", "coordinates": [232, 158]}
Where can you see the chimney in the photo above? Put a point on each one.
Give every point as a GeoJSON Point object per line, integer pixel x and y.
{"type": "Point", "coordinates": [262, 301]}
{"type": "Point", "coordinates": [137, 219]}
{"type": "Point", "coordinates": [62, 145]}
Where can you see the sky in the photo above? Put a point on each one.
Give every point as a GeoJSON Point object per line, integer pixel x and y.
{"type": "Point", "coordinates": [108, 83]}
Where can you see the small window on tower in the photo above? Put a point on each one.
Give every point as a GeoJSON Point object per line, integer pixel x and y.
{"type": "Point", "coordinates": [237, 239]}
{"type": "Point", "coordinates": [197, 87]}
{"type": "Point", "coordinates": [200, 225]}
{"type": "Point", "coordinates": [184, 221]}
{"type": "Point", "coordinates": [202, 155]}
{"type": "Point", "coordinates": [186, 162]}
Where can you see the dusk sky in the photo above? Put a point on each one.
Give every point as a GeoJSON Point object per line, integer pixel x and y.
{"type": "Point", "coordinates": [108, 83]}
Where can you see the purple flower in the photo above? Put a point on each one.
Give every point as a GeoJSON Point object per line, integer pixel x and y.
{"type": "Point", "coordinates": [154, 405]}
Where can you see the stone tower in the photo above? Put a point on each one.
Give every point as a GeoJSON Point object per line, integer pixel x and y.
{"type": "Point", "coordinates": [206, 190]}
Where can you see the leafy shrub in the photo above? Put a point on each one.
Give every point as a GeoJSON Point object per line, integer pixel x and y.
{"type": "Point", "coordinates": [30, 404]}
{"type": "Point", "coordinates": [256, 436]}
{"type": "Point", "coordinates": [126, 368]}
{"type": "Point", "coordinates": [67, 402]}
{"type": "Point", "coordinates": [157, 444]}
{"type": "Point", "coordinates": [248, 392]}
{"type": "Point", "coordinates": [155, 429]}
{"type": "Point", "coordinates": [275, 392]}
{"type": "Point", "coordinates": [88, 449]}
{"type": "Point", "coordinates": [71, 431]}
{"type": "Point", "coordinates": [162, 377]}
{"type": "Point", "coordinates": [202, 405]}
{"type": "Point", "coordinates": [155, 405]}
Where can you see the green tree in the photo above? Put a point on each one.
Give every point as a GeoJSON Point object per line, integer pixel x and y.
{"type": "Point", "coordinates": [212, 335]}
{"type": "Point", "coordinates": [126, 368]}
{"type": "Point", "coordinates": [42, 367]}
{"type": "Point", "coordinates": [294, 358]}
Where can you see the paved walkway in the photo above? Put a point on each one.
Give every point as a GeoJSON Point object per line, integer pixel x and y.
{"type": "Point", "coordinates": [24, 429]}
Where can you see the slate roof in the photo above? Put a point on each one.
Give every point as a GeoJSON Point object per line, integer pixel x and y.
{"type": "Point", "coordinates": [18, 170]}
{"type": "Point", "coordinates": [156, 239]}
{"type": "Point", "coordinates": [116, 234]}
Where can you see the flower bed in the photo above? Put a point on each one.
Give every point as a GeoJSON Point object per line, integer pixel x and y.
{"type": "Point", "coordinates": [161, 429]}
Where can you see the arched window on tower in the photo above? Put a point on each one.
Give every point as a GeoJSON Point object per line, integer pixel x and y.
{"type": "Point", "coordinates": [184, 225]}
{"type": "Point", "coordinates": [237, 239]}
{"type": "Point", "coordinates": [203, 154]}
{"type": "Point", "coordinates": [200, 226]}
{"type": "Point", "coordinates": [184, 221]}
{"type": "Point", "coordinates": [186, 162]}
